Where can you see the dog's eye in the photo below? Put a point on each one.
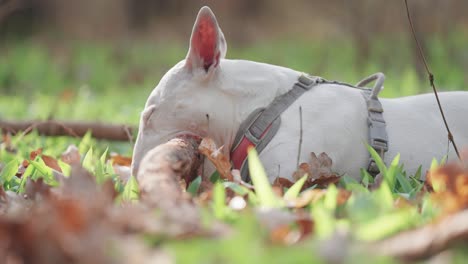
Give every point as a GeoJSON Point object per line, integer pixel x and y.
{"type": "Point", "coordinates": [146, 114]}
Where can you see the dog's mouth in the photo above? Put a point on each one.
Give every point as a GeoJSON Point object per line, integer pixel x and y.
{"type": "Point", "coordinates": [188, 135]}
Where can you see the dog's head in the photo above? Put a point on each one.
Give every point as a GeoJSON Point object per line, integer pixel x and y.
{"type": "Point", "coordinates": [183, 101]}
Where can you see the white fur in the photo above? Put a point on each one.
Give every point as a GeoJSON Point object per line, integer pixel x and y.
{"type": "Point", "coordinates": [334, 117]}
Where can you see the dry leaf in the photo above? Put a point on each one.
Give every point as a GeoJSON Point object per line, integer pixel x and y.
{"type": "Point", "coordinates": [304, 169]}
{"type": "Point", "coordinates": [124, 172]}
{"type": "Point", "coordinates": [35, 153]}
{"type": "Point", "coordinates": [284, 235]}
{"type": "Point", "coordinates": [311, 196]}
{"type": "Point", "coordinates": [306, 197]}
{"type": "Point", "coordinates": [343, 196]}
{"type": "Point", "coordinates": [401, 202]}
{"type": "Point", "coordinates": [6, 141]}
{"type": "Point", "coordinates": [120, 160]}
{"type": "Point", "coordinates": [220, 161]}
{"type": "Point", "coordinates": [283, 183]}
{"type": "Point", "coordinates": [306, 226]}
{"type": "Point", "coordinates": [324, 181]}
{"type": "Point", "coordinates": [71, 155]}
{"type": "Point", "coordinates": [450, 186]}
{"type": "Point", "coordinates": [318, 172]}
{"type": "Point", "coordinates": [48, 160]}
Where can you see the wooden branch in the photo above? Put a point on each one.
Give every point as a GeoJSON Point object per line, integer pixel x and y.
{"type": "Point", "coordinates": [164, 167]}
{"type": "Point", "coordinates": [427, 241]}
{"type": "Point", "coordinates": [75, 129]}
{"type": "Point", "coordinates": [431, 81]}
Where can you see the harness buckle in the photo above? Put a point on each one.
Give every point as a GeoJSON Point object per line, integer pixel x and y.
{"type": "Point", "coordinates": [306, 80]}
{"type": "Point", "coordinates": [378, 135]}
{"type": "Point", "coordinates": [373, 169]}
{"type": "Point", "coordinates": [379, 145]}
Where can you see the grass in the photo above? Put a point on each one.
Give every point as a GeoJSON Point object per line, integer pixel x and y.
{"type": "Point", "coordinates": [99, 82]}
{"type": "Point", "coordinates": [96, 81]}
{"type": "Point", "coordinates": [366, 216]}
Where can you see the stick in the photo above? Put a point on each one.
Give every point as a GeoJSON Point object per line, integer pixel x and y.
{"type": "Point", "coordinates": [300, 138]}
{"type": "Point", "coordinates": [431, 80]}
{"type": "Point", "coordinates": [428, 240]}
{"type": "Point", "coordinates": [75, 129]}
{"type": "Point", "coordinates": [164, 167]}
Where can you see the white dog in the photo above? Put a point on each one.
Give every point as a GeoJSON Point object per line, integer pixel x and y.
{"type": "Point", "coordinates": [208, 95]}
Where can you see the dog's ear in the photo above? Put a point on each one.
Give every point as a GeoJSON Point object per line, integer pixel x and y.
{"type": "Point", "coordinates": [207, 43]}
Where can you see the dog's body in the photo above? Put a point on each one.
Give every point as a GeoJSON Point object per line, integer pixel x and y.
{"type": "Point", "coordinates": [208, 95]}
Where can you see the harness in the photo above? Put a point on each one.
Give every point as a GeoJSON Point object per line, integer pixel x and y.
{"type": "Point", "coordinates": [263, 123]}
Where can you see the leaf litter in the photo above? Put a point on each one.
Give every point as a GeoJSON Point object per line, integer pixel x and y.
{"type": "Point", "coordinates": [79, 221]}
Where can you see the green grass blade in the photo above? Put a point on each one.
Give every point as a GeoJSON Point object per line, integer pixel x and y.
{"type": "Point", "coordinates": [131, 190]}
{"type": "Point", "coordinates": [434, 164]}
{"type": "Point", "coordinates": [387, 224]}
{"type": "Point", "coordinates": [330, 200]}
{"type": "Point", "coordinates": [194, 186]}
{"type": "Point", "coordinates": [378, 160]}
{"type": "Point", "coordinates": [417, 175]}
{"type": "Point", "coordinates": [9, 171]}
{"type": "Point", "coordinates": [214, 177]}
{"type": "Point", "coordinates": [88, 160]}
{"type": "Point", "coordinates": [294, 191]}
{"type": "Point", "coordinates": [65, 167]}
{"type": "Point", "coordinates": [238, 189]}
{"type": "Point", "coordinates": [103, 157]}
{"type": "Point", "coordinates": [366, 178]}
{"type": "Point", "coordinates": [404, 183]}
{"type": "Point", "coordinates": [384, 195]}
{"type": "Point", "coordinates": [390, 175]}
{"type": "Point", "coordinates": [324, 221]}
{"type": "Point", "coordinates": [263, 190]}
{"type": "Point", "coordinates": [85, 143]}
{"type": "Point", "coordinates": [219, 200]}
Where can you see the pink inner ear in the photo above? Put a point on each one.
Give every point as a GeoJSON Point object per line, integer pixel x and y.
{"type": "Point", "coordinates": [204, 41]}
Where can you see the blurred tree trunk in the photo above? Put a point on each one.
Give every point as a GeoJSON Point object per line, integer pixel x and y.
{"type": "Point", "coordinates": [420, 11]}
{"type": "Point", "coordinates": [88, 18]}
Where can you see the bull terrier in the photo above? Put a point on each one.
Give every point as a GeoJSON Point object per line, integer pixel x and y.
{"type": "Point", "coordinates": [207, 95]}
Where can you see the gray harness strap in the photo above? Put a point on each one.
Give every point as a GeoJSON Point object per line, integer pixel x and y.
{"type": "Point", "coordinates": [378, 137]}
{"type": "Point", "coordinates": [261, 125]}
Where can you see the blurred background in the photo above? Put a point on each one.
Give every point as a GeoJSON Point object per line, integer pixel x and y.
{"type": "Point", "coordinates": [99, 60]}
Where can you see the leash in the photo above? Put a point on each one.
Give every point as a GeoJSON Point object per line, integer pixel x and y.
{"type": "Point", "coordinates": [263, 123]}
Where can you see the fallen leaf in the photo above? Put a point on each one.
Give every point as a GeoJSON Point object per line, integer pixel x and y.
{"type": "Point", "coordinates": [324, 181]}
{"type": "Point", "coordinates": [71, 155]}
{"type": "Point", "coordinates": [6, 141]}
{"type": "Point", "coordinates": [284, 235]}
{"type": "Point", "coordinates": [313, 195]}
{"type": "Point", "coordinates": [120, 160]}
{"type": "Point", "coordinates": [124, 172]}
{"type": "Point", "coordinates": [449, 184]}
{"type": "Point", "coordinates": [283, 183]}
{"type": "Point", "coordinates": [343, 196]}
{"type": "Point", "coordinates": [48, 160]}
{"type": "Point", "coordinates": [51, 162]}
{"type": "Point", "coordinates": [35, 153]}
{"type": "Point", "coordinates": [306, 226]}
{"type": "Point", "coordinates": [220, 161]}
{"type": "Point", "coordinates": [304, 169]}
{"type": "Point", "coordinates": [318, 172]}
{"type": "Point", "coordinates": [307, 197]}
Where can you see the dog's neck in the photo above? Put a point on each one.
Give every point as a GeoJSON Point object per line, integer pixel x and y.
{"type": "Point", "coordinates": [251, 85]}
